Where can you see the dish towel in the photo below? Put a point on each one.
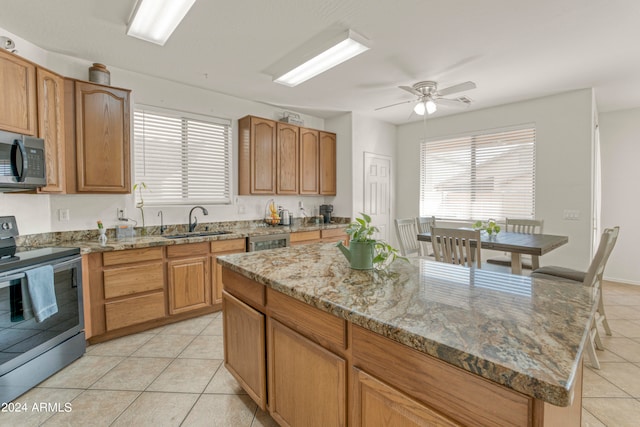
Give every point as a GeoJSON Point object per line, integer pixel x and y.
{"type": "Point", "coordinates": [42, 292]}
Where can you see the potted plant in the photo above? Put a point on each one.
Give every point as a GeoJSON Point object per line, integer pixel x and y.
{"type": "Point", "coordinates": [365, 252]}
{"type": "Point", "coordinates": [490, 227]}
{"type": "Point", "coordinates": [140, 205]}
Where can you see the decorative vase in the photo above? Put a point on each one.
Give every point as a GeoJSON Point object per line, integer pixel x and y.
{"type": "Point", "coordinates": [102, 238]}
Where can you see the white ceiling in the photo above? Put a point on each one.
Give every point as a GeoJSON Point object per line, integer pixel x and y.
{"type": "Point", "coordinates": [512, 50]}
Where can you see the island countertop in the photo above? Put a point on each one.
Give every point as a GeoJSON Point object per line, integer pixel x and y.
{"type": "Point", "coordinates": [523, 333]}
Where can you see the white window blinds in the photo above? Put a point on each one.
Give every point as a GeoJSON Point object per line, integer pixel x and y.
{"type": "Point", "coordinates": [182, 158]}
{"type": "Point", "coordinates": [479, 176]}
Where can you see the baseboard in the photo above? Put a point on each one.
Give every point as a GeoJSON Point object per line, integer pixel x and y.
{"type": "Point", "coordinates": [621, 281]}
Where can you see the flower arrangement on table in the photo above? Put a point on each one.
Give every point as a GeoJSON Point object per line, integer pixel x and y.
{"type": "Point", "coordinates": [490, 226]}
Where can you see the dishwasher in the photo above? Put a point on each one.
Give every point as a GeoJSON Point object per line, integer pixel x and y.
{"type": "Point", "coordinates": [267, 241]}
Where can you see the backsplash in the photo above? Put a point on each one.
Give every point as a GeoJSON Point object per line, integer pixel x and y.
{"type": "Point", "coordinates": [53, 238]}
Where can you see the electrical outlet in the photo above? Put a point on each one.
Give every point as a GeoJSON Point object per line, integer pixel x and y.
{"type": "Point", "coordinates": [300, 205]}
{"type": "Point", "coordinates": [571, 215]}
{"type": "Point", "coordinates": [121, 213]}
{"type": "Point", "coordinates": [63, 215]}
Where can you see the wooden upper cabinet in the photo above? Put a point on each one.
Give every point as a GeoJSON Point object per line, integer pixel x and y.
{"type": "Point", "coordinates": [257, 156]}
{"type": "Point", "coordinates": [51, 127]}
{"type": "Point", "coordinates": [309, 166]}
{"type": "Point", "coordinates": [327, 163]}
{"type": "Point", "coordinates": [18, 109]}
{"type": "Point", "coordinates": [281, 158]}
{"type": "Point", "coordinates": [287, 159]}
{"type": "Point", "coordinates": [103, 163]}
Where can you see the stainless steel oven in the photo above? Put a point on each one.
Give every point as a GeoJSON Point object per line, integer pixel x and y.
{"type": "Point", "coordinates": [267, 241]}
{"type": "Point", "coordinates": [33, 349]}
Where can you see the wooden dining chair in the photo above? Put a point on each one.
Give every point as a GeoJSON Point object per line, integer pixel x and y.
{"type": "Point", "coordinates": [593, 279]}
{"type": "Point", "coordinates": [453, 246]}
{"type": "Point", "coordinates": [424, 224]}
{"type": "Point", "coordinates": [579, 276]}
{"type": "Point", "coordinates": [527, 226]}
{"type": "Point", "coordinates": [407, 235]}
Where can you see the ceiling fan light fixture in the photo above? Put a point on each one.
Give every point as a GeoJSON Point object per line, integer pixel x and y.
{"type": "Point", "coordinates": [155, 20]}
{"type": "Point", "coordinates": [333, 52]}
{"type": "Point", "coordinates": [430, 106]}
{"type": "Point", "coordinates": [420, 108]}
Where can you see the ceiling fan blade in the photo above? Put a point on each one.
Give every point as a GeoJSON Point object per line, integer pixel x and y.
{"type": "Point", "coordinates": [455, 103]}
{"type": "Point", "coordinates": [393, 105]}
{"type": "Point", "coordinates": [457, 88]}
{"type": "Point", "coordinates": [411, 90]}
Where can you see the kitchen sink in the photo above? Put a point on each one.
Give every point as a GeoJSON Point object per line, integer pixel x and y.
{"type": "Point", "coordinates": [196, 234]}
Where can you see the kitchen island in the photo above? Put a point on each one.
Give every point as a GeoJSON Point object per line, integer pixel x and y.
{"type": "Point", "coordinates": [317, 343]}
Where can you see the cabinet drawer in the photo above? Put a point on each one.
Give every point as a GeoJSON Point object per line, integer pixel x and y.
{"type": "Point", "coordinates": [229, 245]}
{"type": "Point", "coordinates": [448, 390]}
{"type": "Point", "coordinates": [334, 232]}
{"type": "Point", "coordinates": [131, 255]}
{"type": "Point", "coordinates": [188, 250]}
{"type": "Point", "coordinates": [242, 288]}
{"type": "Point", "coordinates": [133, 280]}
{"type": "Point", "coordinates": [302, 236]}
{"type": "Point", "coordinates": [134, 310]}
{"type": "Point", "coordinates": [324, 328]}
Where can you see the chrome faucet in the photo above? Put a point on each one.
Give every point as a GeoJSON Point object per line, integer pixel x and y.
{"type": "Point", "coordinates": [162, 227]}
{"type": "Point", "coordinates": [192, 225]}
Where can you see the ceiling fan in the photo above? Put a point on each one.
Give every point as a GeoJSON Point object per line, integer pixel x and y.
{"type": "Point", "coordinates": [429, 97]}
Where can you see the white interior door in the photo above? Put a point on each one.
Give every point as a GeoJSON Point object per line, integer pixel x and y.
{"type": "Point", "coordinates": [377, 192]}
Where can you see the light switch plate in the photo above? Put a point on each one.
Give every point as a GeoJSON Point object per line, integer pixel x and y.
{"type": "Point", "coordinates": [571, 215]}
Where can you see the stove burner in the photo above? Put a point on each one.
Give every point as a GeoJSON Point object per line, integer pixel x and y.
{"type": "Point", "coordinates": [10, 258]}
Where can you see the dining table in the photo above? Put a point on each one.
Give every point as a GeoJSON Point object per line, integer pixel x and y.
{"type": "Point", "coordinates": [517, 244]}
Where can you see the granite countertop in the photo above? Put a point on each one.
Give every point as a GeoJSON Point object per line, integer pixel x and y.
{"type": "Point", "coordinates": [88, 242]}
{"type": "Point", "coordinates": [526, 334]}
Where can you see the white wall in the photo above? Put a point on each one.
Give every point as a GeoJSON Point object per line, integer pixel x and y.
{"type": "Point", "coordinates": [564, 138]}
{"type": "Point", "coordinates": [39, 213]}
{"type": "Point", "coordinates": [343, 201]}
{"type": "Point", "coordinates": [620, 151]}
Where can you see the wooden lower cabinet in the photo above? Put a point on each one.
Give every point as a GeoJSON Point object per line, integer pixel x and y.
{"type": "Point", "coordinates": [307, 383]}
{"type": "Point", "coordinates": [132, 311]}
{"type": "Point", "coordinates": [304, 237]}
{"type": "Point", "coordinates": [244, 355]}
{"type": "Point", "coordinates": [222, 247]}
{"type": "Point", "coordinates": [188, 282]}
{"type": "Point", "coordinates": [377, 404]}
{"type": "Point", "coordinates": [324, 371]}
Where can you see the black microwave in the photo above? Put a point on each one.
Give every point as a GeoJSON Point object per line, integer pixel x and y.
{"type": "Point", "coordinates": [22, 162]}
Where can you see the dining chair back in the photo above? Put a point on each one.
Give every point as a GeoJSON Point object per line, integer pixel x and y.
{"type": "Point", "coordinates": [424, 224]}
{"type": "Point", "coordinates": [593, 279]}
{"type": "Point", "coordinates": [454, 246]}
{"type": "Point", "coordinates": [520, 225]}
{"type": "Point", "coordinates": [407, 235]}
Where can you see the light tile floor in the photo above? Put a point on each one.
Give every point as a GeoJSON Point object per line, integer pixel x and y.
{"type": "Point", "coordinates": [174, 376]}
{"type": "Point", "coordinates": [168, 376]}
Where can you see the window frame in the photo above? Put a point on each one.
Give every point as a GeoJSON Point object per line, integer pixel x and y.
{"type": "Point", "coordinates": [226, 198]}
{"type": "Point", "coordinates": [483, 134]}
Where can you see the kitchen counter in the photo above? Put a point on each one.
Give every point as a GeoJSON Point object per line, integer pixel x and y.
{"type": "Point", "coordinates": [88, 242]}
{"type": "Point", "coordinates": [522, 333]}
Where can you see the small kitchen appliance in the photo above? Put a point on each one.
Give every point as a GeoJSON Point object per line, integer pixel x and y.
{"type": "Point", "coordinates": [325, 211]}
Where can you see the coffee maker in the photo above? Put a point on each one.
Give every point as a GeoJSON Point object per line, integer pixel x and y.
{"type": "Point", "coordinates": [325, 211]}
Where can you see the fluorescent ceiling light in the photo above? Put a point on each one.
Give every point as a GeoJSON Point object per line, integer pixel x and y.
{"type": "Point", "coordinates": [342, 48]}
{"type": "Point", "coordinates": [155, 20]}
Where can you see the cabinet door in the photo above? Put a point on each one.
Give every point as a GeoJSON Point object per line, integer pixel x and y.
{"type": "Point", "coordinates": [102, 139]}
{"type": "Point", "coordinates": [189, 287]}
{"type": "Point", "coordinates": [18, 108]}
{"type": "Point", "coordinates": [309, 152]}
{"type": "Point", "coordinates": [307, 383]}
{"type": "Point", "coordinates": [244, 344]}
{"type": "Point", "coordinates": [287, 164]}
{"type": "Point", "coordinates": [327, 164]}
{"type": "Point", "coordinates": [51, 127]}
{"type": "Point", "coordinates": [377, 404]}
{"type": "Point", "coordinates": [263, 156]}
{"type": "Point", "coordinates": [216, 269]}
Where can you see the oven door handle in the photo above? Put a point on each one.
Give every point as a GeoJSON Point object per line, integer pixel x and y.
{"type": "Point", "coordinates": [56, 267]}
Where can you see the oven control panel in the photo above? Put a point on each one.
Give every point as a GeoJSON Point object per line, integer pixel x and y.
{"type": "Point", "coordinates": [8, 227]}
